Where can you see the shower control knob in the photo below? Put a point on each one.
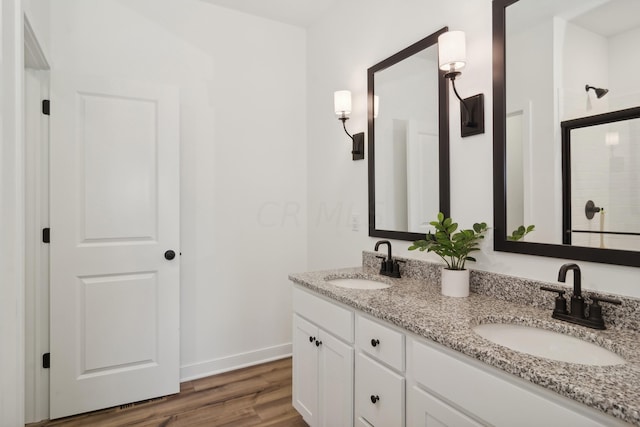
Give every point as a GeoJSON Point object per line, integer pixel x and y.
{"type": "Point", "coordinates": [169, 255]}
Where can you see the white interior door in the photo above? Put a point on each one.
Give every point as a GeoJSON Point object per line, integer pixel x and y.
{"type": "Point", "coordinates": [423, 180]}
{"type": "Point", "coordinates": [114, 214]}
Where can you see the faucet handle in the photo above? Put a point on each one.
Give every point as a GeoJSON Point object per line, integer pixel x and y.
{"type": "Point", "coordinates": [383, 264]}
{"type": "Point", "coordinates": [560, 292]}
{"type": "Point", "coordinates": [595, 310]}
{"type": "Point", "coordinates": [596, 299]}
{"type": "Point", "coordinates": [561, 303]}
{"type": "Point", "coordinates": [396, 268]}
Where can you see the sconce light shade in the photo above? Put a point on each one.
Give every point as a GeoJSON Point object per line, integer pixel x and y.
{"type": "Point", "coordinates": [342, 102]}
{"type": "Point", "coordinates": [452, 51]}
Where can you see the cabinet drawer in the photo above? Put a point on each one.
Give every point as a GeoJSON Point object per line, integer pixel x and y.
{"type": "Point", "coordinates": [379, 393]}
{"type": "Point", "coordinates": [381, 342]}
{"type": "Point", "coordinates": [335, 319]}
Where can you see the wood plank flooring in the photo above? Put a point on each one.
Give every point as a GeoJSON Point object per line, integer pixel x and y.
{"type": "Point", "coordinates": [255, 396]}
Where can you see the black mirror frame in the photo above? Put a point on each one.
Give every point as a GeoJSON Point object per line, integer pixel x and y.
{"type": "Point", "coordinates": [501, 244]}
{"type": "Point", "coordinates": [443, 137]}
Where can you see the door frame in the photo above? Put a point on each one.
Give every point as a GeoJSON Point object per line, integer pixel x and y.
{"type": "Point", "coordinates": [36, 88]}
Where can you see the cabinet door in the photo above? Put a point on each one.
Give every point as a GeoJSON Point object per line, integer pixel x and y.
{"type": "Point", "coordinates": [424, 410]}
{"type": "Point", "coordinates": [336, 382]}
{"type": "Point", "coordinates": [379, 393]}
{"type": "Point", "coordinates": [305, 369]}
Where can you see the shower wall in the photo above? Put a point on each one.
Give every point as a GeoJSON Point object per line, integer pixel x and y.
{"type": "Point", "coordinates": [602, 171]}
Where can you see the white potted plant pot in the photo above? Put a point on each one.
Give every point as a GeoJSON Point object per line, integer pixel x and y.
{"type": "Point", "coordinates": [455, 283]}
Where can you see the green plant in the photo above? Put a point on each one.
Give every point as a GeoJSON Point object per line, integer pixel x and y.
{"type": "Point", "coordinates": [520, 232]}
{"type": "Point", "coordinates": [454, 248]}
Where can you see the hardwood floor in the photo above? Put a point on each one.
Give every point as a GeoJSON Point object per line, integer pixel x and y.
{"type": "Point", "coordinates": [255, 396]}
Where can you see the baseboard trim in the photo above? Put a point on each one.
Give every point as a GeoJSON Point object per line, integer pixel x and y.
{"type": "Point", "coordinates": [237, 361]}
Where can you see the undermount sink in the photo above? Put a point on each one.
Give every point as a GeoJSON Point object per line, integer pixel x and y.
{"type": "Point", "coordinates": [547, 344]}
{"type": "Point", "coordinates": [358, 283]}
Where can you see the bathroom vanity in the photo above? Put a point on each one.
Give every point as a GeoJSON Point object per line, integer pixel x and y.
{"type": "Point", "coordinates": [406, 355]}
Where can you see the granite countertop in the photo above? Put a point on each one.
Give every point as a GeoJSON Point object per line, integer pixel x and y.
{"type": "Point", "coordinates": [415, 304]}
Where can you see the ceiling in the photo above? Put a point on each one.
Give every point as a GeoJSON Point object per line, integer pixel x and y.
{"type": "Point", "coordinates": [301, 13]}
{"type": "Point", "coordinates": [604, 17]}
{"type": "Point", "coordinates": [611, 18]}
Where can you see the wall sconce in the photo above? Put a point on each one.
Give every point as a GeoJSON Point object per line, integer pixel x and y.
{"type": "Point", "coordinates": [452, 58]}
{"type": "Point", "coordinates": [342, 107]}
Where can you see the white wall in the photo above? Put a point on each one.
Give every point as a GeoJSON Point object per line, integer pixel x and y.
{"type": "Point", "coordinates": [583, 59]}
{"type": "Point", "coordinates": [243, 157]}
{"type": "Point", "coordinates": [339, 54]}
{"type": "Point", "coordinates": [623, 79]}
{"type": "Point", "coordinates": [339, 59]}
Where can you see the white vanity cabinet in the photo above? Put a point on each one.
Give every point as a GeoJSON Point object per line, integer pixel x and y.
{"type": "Point", "coordinates": [351, 369]}
{"type": "Point", "coordinates": [379, 380]}
{"type": "Point", "coordinates": [322, 361]}
{"type": "Point", "coordinates": [447, 388]}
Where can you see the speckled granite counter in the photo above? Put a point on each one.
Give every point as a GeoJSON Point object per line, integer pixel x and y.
{"type": "Point", "coordinates": [414, 303]}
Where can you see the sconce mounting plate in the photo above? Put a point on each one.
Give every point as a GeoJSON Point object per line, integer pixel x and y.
{"type": "Point", "coordinates": [475, 104]}
{"type": "Point", "coordinates": [358, 146]}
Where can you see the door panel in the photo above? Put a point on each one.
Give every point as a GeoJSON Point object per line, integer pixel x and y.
{"type": "Point", "coordinates": [114, 212]}
{"type": "Point", "coordinates": [119, 135]}
{"type": "Point", "coordinates": [110, 304]}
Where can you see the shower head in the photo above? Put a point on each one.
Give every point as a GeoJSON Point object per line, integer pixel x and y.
{"type": "Point", "coordinates": [599, 91]}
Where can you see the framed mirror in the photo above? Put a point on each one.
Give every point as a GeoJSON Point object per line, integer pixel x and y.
{"type": "Point", "coordinates": [566, 67]}
{"type": "Point", "coordinates": [408, 142]}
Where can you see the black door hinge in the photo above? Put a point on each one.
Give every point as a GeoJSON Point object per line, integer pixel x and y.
{"type": "Point", "coordinates": [46, 107]}
{"type": "Point", "coordinates": [46, 360]}
{"type": "Point", "coordinates": [46, 235]}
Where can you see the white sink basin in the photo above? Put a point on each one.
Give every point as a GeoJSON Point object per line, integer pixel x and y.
{"type": "Point", "coordinates": [547, 344]}
{"type": "Point", "coordinates": [358, 283]}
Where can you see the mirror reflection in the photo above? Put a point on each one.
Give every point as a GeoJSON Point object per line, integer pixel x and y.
{"type": "Point", "coordinates": [567, 60]}
{"type": "Point", "coordinates": [601, 183]}
{"type": "Point", "coordinates": [407, 143]}
{"type": "Point", "coordinates": [408, 148]}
